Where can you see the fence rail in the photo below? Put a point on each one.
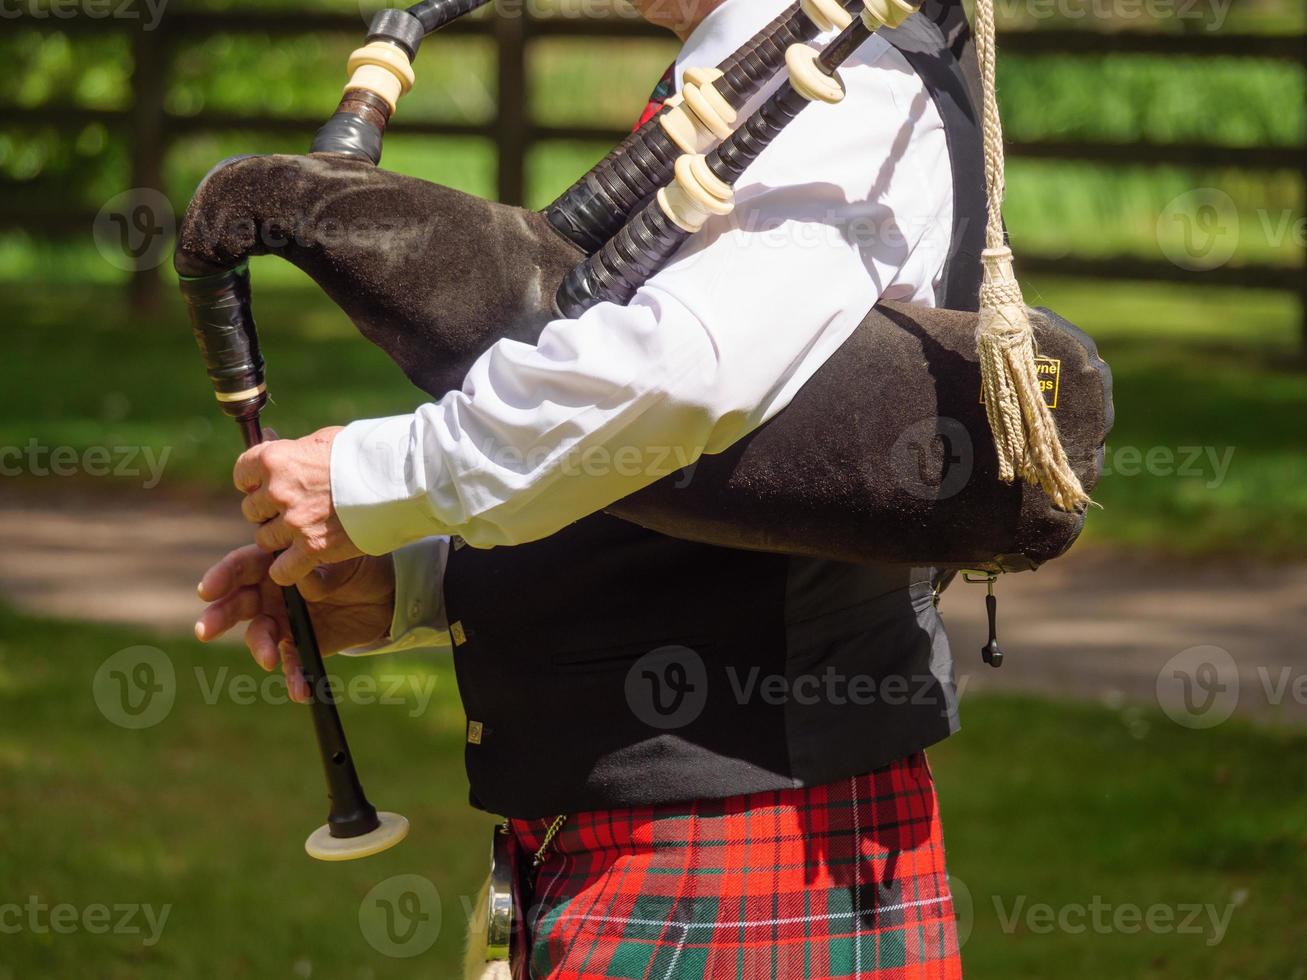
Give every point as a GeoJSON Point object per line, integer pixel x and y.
{"type": "Point", "coordinates": [152, 127]}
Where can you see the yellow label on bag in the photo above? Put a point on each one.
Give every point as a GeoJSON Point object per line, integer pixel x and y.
{"type": "Point", "coordinates": [1049, 372]}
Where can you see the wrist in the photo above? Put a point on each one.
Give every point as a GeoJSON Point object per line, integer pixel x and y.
{"type": "Point", "coordinates": [377, 509]}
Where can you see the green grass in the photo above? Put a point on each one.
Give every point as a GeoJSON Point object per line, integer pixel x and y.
{"type": "Point", "coordinates": [1056, 209]}
{"type": "Point", "coordinates": [1050, 804]}
{"type": "Point", "coordinates": [205, 812]}
{"type": "Point", "coordinates": [1214, 371]}
{"type": "Point", "coordinates": [1121, 97]}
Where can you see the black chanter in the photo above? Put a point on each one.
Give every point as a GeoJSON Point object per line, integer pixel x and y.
{"type": "Point", "coordinates": [224, 328]}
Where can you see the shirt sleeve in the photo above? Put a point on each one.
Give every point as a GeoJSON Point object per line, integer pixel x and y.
{"type": "Point", "coordinates": [420, 620]}
{"type": "Point", "coordinates": [851, 203]}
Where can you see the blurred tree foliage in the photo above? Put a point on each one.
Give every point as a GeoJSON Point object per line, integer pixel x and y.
{"type": "Point", "coordinates": [297, 77]}
{"type": "Point", "coordinates": [1119, 98]}
{"type": "Point", "coordinates": [80, 165]}
{"type": "Point", "coordinates": [1094, 96]}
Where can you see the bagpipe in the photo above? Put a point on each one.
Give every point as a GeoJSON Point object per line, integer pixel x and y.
{"type": "Point", "coordinates": [963, 439]}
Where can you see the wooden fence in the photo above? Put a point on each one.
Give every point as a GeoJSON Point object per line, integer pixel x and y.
{"type": "Point", "coordinates": [151, 127]}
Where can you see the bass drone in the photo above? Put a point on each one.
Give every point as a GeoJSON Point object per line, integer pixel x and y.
{"type": "Point", "coordinates": [931, 437]}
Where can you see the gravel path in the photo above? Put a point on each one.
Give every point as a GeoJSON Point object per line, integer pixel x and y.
{"type": "Point", "coordinates": [1095, 625]}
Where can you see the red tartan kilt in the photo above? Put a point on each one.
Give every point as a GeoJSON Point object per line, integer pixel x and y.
{"type": "Point", "coordinates": [844, 880]}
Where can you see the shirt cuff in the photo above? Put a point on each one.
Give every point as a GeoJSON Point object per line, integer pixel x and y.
{"type": "Point", "coordinates": [420, 620]}
{"type": "Point", "coordinates": [370, 489]}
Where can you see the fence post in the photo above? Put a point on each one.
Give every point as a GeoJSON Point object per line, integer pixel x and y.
{"type": "Point", "coordinates": [1302, 174]}
{"type": "Point", "coordinates": [511, 122]}
{"type": "Point", "coordinates": [149, 81]}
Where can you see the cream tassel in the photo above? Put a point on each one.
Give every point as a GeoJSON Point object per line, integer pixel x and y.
{"type": "Point", "coordinates": [1025, 435]}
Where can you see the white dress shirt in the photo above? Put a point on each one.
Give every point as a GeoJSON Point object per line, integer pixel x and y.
{"type": "Point", "coordinates": [850, 204]}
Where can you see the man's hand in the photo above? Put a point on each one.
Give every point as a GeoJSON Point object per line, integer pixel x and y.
{"type": "Point", "coordinates": [287, 483]}
{"type": "Point", "coordinates": [351, 604]}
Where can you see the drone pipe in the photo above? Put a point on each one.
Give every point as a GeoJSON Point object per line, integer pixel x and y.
{"type": "Point", "coordinates": [703, 185]}
{"type": "Point", "coordinates": [435, 14]}
{"type": "Point", "coordinates": [596, 207]}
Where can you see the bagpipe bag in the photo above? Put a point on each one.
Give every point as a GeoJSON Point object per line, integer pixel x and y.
{"type": "Point", "coordinates": [884, 455]}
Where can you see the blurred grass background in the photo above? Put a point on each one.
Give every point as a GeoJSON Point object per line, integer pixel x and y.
{"type": "Point", "coordinates": [205, 811]}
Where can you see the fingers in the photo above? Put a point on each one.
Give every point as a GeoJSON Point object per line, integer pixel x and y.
{"type": "Point", "coordinates": [274, 535]}
{"type": "Point", "coordinates": [326, 580]}
{"type": "Point", "coordinates": [258, 506]}
{"type": "Point", "coordinates": [262, 636]}
{"type": "Point", "coordinates": [274, 604]}
{"type": "Point", "coordinates": [293, 564]}
{"type": "Point", "coordinates": [268, 646]}
{"type": "Point", "coordinates": [235, 607]}
{"type": "Point", "coordinates": [251, 470]}
{"type": "Point", "coordinates": [290, 668]}
{"type": "Point", "coordinates": [269, 640]}
{"type": "Point", "coordinates": [238, 589]}
{"type": "Point", "coordinates": [244, 566]}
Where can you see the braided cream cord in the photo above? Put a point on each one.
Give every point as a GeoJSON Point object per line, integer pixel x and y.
{"type": "Point", "coordinates": [1025, 435]}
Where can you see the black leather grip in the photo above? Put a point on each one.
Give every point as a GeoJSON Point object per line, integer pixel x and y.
{"type": "Point", "coordinates": [224, 329]}
{"type": "Point", "coordinates": [351, 134]}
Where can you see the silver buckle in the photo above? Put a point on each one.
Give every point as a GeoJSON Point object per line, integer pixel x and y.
{"type": "Point", "coordinates": [499, 897]}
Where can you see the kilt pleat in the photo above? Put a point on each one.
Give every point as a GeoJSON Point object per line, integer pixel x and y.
{"type": "Point", "coordinates": [835, 881]}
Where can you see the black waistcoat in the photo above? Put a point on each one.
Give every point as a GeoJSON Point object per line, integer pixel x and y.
{"type": "Point", "coordinates": [609, 666]}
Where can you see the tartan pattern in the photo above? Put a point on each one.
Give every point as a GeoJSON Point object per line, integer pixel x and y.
{"type": "Point", "coordinates": [843, 880]}
{"type": "Point", "coordinates": [661, 93]}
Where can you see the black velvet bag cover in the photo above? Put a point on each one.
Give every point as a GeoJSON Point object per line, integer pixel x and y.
{"type": "Point", "coordinates": [884, 455]}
